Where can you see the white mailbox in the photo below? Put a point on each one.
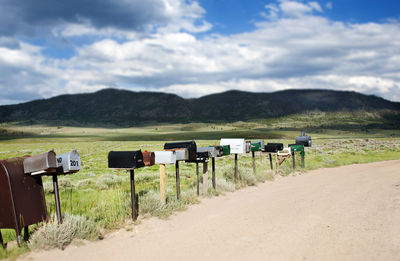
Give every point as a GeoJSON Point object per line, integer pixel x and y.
{"type": "Point", "coordinates": [182, 154]}
{"type": "Point", "coordinates": [211, 150]}
{"type": "Point", "coordinates": [69, 162]}
{"type": "Point", "coordinates": [165, 157]}
{"type": "Point", "coordinates": [285, 152]}
{"type": "Point", "coordinates": [237, 145]}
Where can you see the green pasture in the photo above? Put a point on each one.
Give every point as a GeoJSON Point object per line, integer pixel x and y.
{"type": "Point", "coordinates": [103, 195]}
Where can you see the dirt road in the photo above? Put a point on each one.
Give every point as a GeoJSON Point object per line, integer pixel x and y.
{"type": "Point", "coordinates": [345, 213]}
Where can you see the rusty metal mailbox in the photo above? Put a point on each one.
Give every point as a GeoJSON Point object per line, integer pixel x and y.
{"type": "Point", "coordinates": [129, 160]}
{"type": "Point", "coordinates": [44, 163]}
{"type": "Point", "coordinates": [189, 145]}
{"type": "Point", "coordinates": [22, 200]}
{"type": "Point", "coordinates": [149, 158]}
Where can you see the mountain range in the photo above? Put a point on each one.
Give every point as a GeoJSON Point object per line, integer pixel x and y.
{"type": "Point", "coordinates": [114, 107]}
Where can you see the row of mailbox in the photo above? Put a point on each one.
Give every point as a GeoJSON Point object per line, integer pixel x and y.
{"type": "Point", "coordinates": [189, 152]}
{"type": "Point", "coordinates": [22, 200]}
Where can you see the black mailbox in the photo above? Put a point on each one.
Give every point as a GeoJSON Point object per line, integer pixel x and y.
{"type": "Point", "coordinates": [273, 147]}
{"type": "Point", "coordinates": [130, 160]}
{"type": "Point", "coordinates": [125, 159]}
{"type": "Point", "coordinates": [22, 200]}
{"type": "Point", "coordinates": [189, 145]}
{"type": "Point", "coordinates": [201, 157]}
{"type": "Point", "coordinates": [304, 140]}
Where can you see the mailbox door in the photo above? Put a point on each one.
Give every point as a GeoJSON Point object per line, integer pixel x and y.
{"type": "Point", "coordinates": [219, 151]}
{"type": "Point", "coordinates": [69, 162]}
{"type": "Point", "coordinates": [227, 150]}
{"type": "Point", "coordinates": [148, 158]}
{"type": "Point", "coordinates": [27, 192]}
{"type": "Point", "coordinates": [182, 154]}
{"type": "Point", "coordinates": [7, 217]}
{"type": "Point", "coordinates": [165, 157]}
{"type": "Point", "coordinates": [248, 146]}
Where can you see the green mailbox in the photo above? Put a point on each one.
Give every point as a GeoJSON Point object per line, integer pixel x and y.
{"type": "Point", "coordinates": [298, 148]}
{"type": "Point", "coordinates": [226, 149]}
{"type": "Point", "coordinates": [256, 146]}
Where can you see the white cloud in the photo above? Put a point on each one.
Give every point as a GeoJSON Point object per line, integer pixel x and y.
{"type": "Point", "coordinates": [293, 47]}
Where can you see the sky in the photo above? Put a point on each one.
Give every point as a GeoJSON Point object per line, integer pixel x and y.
{"type": "Point", "coordinates": [196, 48]}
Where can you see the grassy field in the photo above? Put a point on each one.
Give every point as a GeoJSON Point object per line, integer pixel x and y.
{"type": "Point", "coordinates": [102, 195]}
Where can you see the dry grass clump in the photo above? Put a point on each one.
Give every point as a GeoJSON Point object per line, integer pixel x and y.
{"type": "Point", "coordinates": [51, 235]}
{"type": "Point", "coordinates": [150, 203]}
{"type": "Point", "coordinates": [224, 186]}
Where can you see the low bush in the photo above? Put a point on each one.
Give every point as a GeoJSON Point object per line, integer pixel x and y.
{"type": "Point", "coordinates": [52, 235]}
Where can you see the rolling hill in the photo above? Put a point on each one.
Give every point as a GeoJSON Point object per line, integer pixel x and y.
{"type": "Point", "coordinates": [112, 107]}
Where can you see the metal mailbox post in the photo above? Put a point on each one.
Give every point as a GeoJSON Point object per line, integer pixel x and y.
{"type": "Point", "coordinates": [22, 196]}
{"type": "Point", "coordinates": [298, 148]}
{"type": "Point", "coordinates": [129, 160]}
{"type": "Point", "coordinates": [185, 150]}
{"type": "Point", "coordinates": [163, 158]}
{"type": "Point", "coordinates": [67, 163]}
{"type": "Point", "coordinates": [237, 146]}
{"type": "Point", "coordinates": [213, 154]}
{"type": "Point", "coordinates": [306, 142]}
{"type": "Point", "coordinates": [255, 146]}
{"type": "Point", "coordinates": [271, 148]}
{"type": "Point", "coordinates": [202, 157]}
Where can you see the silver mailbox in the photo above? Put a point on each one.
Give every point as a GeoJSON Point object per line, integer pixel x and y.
{"type": "Point", "coordinates": [69, 162]}
{"type": "Point", "coordinates": [165, 157]}
{"type": "Point", "coordinates": [182, 154]}
{"type": "Point", "coordinates": [211, 150]}
{"type": "Point", "coordinates": [248, 146]}
{"type": "Point", "coordinates": [41, 164]}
